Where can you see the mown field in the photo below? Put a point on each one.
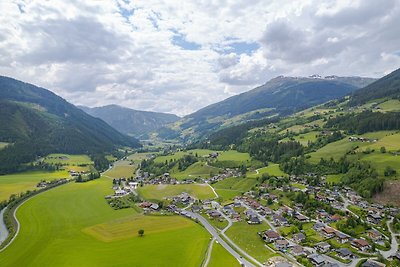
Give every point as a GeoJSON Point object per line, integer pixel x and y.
{"type": "Point", "coordinates": [159, 192]}
{"type": "Point", "coordinates": [21, 182]}
{"type": "Point", "coordinates": [305, 138]}
{"type": "Point", "coordinates": [246, 237]}
{"type": "Point", "coordinates": [221, 257]}
{"type": "Point", "coordinates": [70, 162]}
{"type": "Point", "coordinates": [122, 168]}
{"type": "Point", "coordinates": [198, 169]}
{"type": "Point", "coordinates": [72, 225]}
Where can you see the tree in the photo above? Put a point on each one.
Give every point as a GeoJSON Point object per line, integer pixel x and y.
{"type": "Point", "coordinates": [383, 149]}
{"type": "Point", "coordinates": [141, 232]}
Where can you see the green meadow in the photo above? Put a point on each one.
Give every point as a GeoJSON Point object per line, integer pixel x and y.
{"type": "Point", "coordinates": [198, 169]}
{"type": "Point", "coordinates": [68, 159]}
{"type": "Point", "coordinates": [159, 192]}
{"type": "Point", "coordinates": [72, 225]}
{"type": "Point", "coordinates": [122, 168]}
{"type": "Point", "coordinates": [180, 154]}
{"type": "Point", "coordinates": [21, 182]}
{"type": "Point", "coordinates": [233, 155]}
{"type": "Point", "coordinates": [381, 160]}
{"type": "Point", "coordinates": [272, 169]}
{"type": "Point", "coordinates": [303, 139]}
{"type": "Point", "coordinates": [390, 105]}
{"type": "Point", "coordinates": [221, 257]}
{"type": "Point", "coordinates": [246, 237]}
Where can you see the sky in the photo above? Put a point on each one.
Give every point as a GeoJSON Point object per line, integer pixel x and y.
{"type": "Point", "coordinates": [179, 56]}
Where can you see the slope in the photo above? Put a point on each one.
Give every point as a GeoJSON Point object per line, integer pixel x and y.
{"type": "Point", "coordinates": [129, 121]}
{"type": "Point", "coordinates": [37, 122]}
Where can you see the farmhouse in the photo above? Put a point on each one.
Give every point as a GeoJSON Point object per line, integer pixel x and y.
{"type": "Point", "coordinates": [254, 220]}
{"type": "Point", "coordinates": [374, 218]}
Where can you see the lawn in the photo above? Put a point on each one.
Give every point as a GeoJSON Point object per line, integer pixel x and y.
{"type": "Point", "coordinates": [159, 192]}
{"type": "Point", "coordinates": [272, 169]}
{"type": "Point", "coordinates": [246, 237]}
{"type": "Point", "coordinates": [227, 194]}
{"type": "Point", "coordinates": [21, 182]}
{"type": "Point", "coordinates": [221, 257]}
{"type": "Point", "coordinates": [72, 225]}
{"type": "Point", "coordinates": [236, 183]}
{"type": "Point", "coordinates": [198, 169]}
{"type": "Point", "coordinates": [121, 169]}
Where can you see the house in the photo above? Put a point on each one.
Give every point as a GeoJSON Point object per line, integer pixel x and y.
{"type": "Point", "coordinates": [318, 226]}
{"type": "Point", "coordinates": [344, 253]}
{"type": "Point", "coordinates": [270, 236]}
{"type": "Point", "coordinates": [328, 232]}
{"type": "Point", "coordinates": [154, 206]}
{"type": "Point", "coordinates": [360, 244]}
{"type": "Point", "coordinates": [372, 263]}
{"type": "Point", "coordinates": [301, 218]}
{"type": "Point", "coordinates": [298, 251]}
{"type": "Point", "coordinates": [322, 247]}
{"type": "Point", "coordinates": [254, 220]}
{"type": "Point", "coordinates": [298, 238]}
{"type": "Point", "coordinates": [375, 235]}
{"type": "Point", "coordinates": [316, 259]}
{"type": "Point", "coordinates": [214, 214]}
{"type": "Point", "coordinates": [374, 218]}
{"type": "Point", "coordinates": [280, 220]}
{"type": "Point", "coordinates": [196, 208]}
{"type": "Point", "coordinates": [281, 244]}
{"type": "Point", "coordinates": [341, 237]}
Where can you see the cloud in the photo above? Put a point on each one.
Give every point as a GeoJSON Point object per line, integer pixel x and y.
{"type": "Point", "coordinates": [177, 57]}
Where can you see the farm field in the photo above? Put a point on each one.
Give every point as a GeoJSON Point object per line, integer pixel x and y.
{"type": "Point", "coordinates": [227, 194]}
{"type": "Point", "coordinates": [138, 157]}
{"type": "Point", "coordinates": [68, 159]}
{"type": "Point", "coordinates": [159, 192]}
{"type": "Point", "coordinates": [180, 154]}
{"type": "Point", "coordinates": [221, 257]}
{"type": "Point", "coordinates": [21, 182]}
{"type": "Point", "coordinates": [246, 237]}
{"type": "Point", "coordinates": [233, 155]}
{"type": "Point", "coordinates": [198, 169]}
{"type": "Point", "coordinates": [72, 225]}
{"type": "Point", "coordinates": [391, 141]}
{"type": "Point", "coordinates": [121, 169]}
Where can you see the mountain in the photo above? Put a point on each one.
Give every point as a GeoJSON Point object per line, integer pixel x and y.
{"type": "Point", "coordinates": [36, 122]}
{"type": "Point", "coordinates": [129, 121]}
{"type": "Point", "coordinates": [386, 87]}
{"type": "Point", "coordinates": [279, 96]}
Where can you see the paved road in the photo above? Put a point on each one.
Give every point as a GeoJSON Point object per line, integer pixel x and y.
{"type": "Point", "coordinates": [209, 250]}
{"type": "Point", "coordinates": [3, 228]}
{"type": "Point", "coordinates": [394, 245]}
{"type": "Point", "coordinates": [215, 235]}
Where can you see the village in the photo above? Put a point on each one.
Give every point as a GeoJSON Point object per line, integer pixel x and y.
{"type": "Point", "coordinates": [308, 225]}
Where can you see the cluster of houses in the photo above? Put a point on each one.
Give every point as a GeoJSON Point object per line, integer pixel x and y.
{"type": "Point", "coordinates": [123, 187]}
{"type": "Point", "coordinates": [361, 139]}
{"type": "Point", "coordinates": [77, 173]}
{"type": "Point", "coordinates": [222, 176]}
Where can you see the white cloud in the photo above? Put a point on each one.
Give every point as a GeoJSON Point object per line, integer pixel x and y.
{"type": "Point", "coordinates": [103, 52]}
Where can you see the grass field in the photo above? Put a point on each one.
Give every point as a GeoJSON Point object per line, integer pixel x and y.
{"type": "Point", "coordinates": [381, 160]}
{"type": "Point", "coordinates": [21, 182]}
{"type": "Point", "coordinates": [198, 169]}
{"type": "Point", "coordinates": [221, 257]}
{"type": "Point", "coordinates": [3, 145]}
{"type": "Point", "coordinates": [303, 139]}
{"type": "Point", "coordinates": [391, 141]}
{"type": "Point", "coordinates": [233, 155]}
{"type": "Point", "coordinates": [272, 169]}
{"type": "Point", "coordinates": [334, 150]}
{"type": "Point", "coordinates": [390, 105]}
{"type": "Point", "coordinates": [121, 169]}
{"type": "Point", "coordinates": [159, 192]}
{"type": "Point", "coordinates": [227, 194]}
{"type": "Point", "coordinates": [333, 178]}
{"type": "Point", "coordinates": [180, 154]}
{"type": "Point", "coordinates": [246, 237]}
{"type": "Point", "coordinates": [72, 225]}
{"type": "Point", "coordinates": [294, 129]}
{"type": "Point", "coordinates": [68, 159]}
{"type": "Point", "coordinates": [138, 157]}
{"type": "Point", "coordinates": [236, 183]}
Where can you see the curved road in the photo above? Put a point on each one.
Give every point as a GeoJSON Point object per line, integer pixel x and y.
{"type": "Point", "coordinates": [3, 228]}
{"type": "Point", "coordinates": [217, 237]}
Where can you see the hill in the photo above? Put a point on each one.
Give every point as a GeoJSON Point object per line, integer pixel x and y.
{"type": "Point", "coordinates": [129, 121]}
{"type": "Point", "coordinates": [387, 87]}
{"type": "Point", "coordinates": [279, 96]}
{"type": "Point", "coordinates": [37, 122]}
